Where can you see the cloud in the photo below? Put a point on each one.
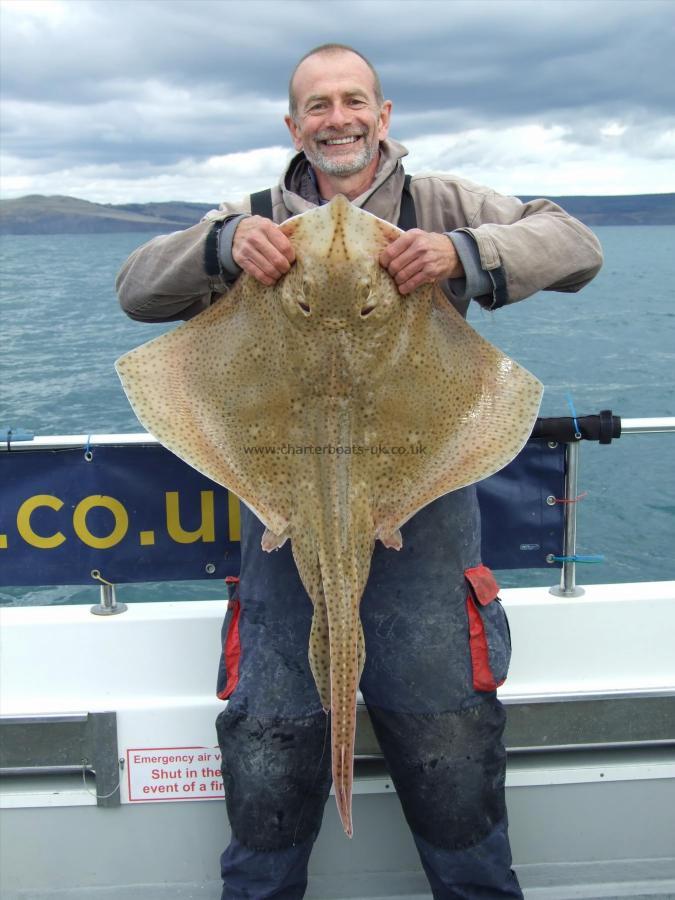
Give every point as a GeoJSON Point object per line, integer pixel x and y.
{"type": "Point", "coordinates": [148, 121]}
{"type": "Point", "coordinates": [140, 97]}
{"type": "Point", "coordinates": [208, 180]}
{"type": "Point", "coordinates": [520, 156]}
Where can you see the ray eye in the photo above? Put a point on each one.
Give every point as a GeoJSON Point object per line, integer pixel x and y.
{"type": "Point", "coordinates": [304, 307]}
{"type": "Point", "coordinates": [369, 305]}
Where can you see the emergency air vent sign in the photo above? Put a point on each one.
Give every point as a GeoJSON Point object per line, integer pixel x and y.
{"type": "Point", "coordinates": [173, 773]}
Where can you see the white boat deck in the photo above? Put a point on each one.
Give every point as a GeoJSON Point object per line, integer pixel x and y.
{"type": "Point", "coordinates": [586, 821]}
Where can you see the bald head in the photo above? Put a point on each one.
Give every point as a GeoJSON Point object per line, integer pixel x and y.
{"type": "Point", "coordinates": [331, 50]}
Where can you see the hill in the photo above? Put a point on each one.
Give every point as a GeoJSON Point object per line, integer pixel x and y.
{"type": "Point", "coordinates": [627, 209]}
{"type": "Point", "coordinates": [38, 214]}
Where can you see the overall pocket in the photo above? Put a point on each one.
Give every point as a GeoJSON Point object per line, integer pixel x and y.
{"type": "Point", "coordinates": [228, 668]}
{"type": "Point", "coordinates": [489, 637]}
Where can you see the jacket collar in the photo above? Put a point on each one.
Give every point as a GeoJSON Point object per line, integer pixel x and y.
{"type": "Point", "coordinates": [382, 197]}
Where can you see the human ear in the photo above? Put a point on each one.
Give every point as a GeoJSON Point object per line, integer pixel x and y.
{"type": "Point", "coordinates": [295, 132]}
{"type": "Point", "coordinates": [383, 120]}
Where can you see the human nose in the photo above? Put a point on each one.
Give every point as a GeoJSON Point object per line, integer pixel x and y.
{"type": "Point", "coordinates": [339, 115]}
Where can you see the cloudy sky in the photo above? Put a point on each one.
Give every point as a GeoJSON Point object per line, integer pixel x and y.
{"type": "Point", "coordinates": [137, 100]}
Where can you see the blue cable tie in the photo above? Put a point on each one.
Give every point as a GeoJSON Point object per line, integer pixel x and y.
{"type": "Point", "coordinates": [570, 403]}
{"type": "Point", "coordinates": [580, 559]}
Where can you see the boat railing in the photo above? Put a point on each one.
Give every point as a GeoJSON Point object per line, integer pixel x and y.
{"type": "Point", "coordinates": [568, 586]}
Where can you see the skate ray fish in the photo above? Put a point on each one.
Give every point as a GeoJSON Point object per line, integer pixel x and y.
{"type": "Point", "coordinates": [335, 409]}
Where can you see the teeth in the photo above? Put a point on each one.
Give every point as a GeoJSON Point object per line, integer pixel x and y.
{"type": "Point", "coordinates": [347, 140]}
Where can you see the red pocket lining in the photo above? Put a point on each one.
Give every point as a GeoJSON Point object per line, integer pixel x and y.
{"type": "Point", "coordinates": [484, 590]}
{"type": "Point", "coordinates": [483, 679]}
{"type": "Point", "coordinates": [231, 652]}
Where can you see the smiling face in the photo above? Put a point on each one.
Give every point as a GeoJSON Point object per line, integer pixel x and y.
{"type": "Point", "coordinates": [338, 121]}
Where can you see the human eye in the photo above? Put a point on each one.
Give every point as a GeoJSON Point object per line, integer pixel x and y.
{"type": "Point", "coordinates": [316, 107]}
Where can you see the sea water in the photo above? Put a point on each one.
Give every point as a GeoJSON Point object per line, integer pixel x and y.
{"type": "Point", "coordinates": [611, 346]}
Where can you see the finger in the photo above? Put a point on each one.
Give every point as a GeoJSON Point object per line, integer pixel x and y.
{"type": "Point", "coordinates": [273, 269]}
{"type": "Point", "coordinates": [420, 271]}
{"type": "Point", "coordinates": [258, 248]}
{"type": "Point", "coordinates": [409, 257]}
{"type": "Point", "coordinates": [254, 260]}
{"type": "Point", "coordinates": [252, 269]}
{"type": "Point", "coordinates": [281, 243]}
{"type": "Point", "coordinates": [403, 267]}
{"type": "Point", "coordinates": [256, 235]}
{"type": "Point", "coordinates": [407, 287]}
{"type": "Point", "coordinates": [396, 248]}
{"type": "Point", "coordinates": [267, 256]}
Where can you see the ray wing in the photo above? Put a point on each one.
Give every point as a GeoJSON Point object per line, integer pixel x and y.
{"type": "Point", "coordinates": [213, 393]}
{"type": "Point", "coordinates": [453, 407]}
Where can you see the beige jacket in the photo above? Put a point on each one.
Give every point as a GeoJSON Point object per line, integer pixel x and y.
{"type": "Point", "coordinates": [525, 247]}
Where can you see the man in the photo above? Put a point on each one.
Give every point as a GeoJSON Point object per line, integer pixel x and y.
{"type": "Point", "coordinates": [429, 687]}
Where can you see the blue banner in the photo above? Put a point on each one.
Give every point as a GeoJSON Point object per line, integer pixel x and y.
{"type": "Point", "coordinates": [135, 513]}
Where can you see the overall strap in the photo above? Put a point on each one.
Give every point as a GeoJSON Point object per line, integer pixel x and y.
{"type": "Point", "coordinates": [261, 203]}
{"type": "Point", "coordinates": [407, 217]}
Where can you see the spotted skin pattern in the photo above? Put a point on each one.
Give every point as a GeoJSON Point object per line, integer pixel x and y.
{"type": "Point", "coordinates": [333, 381]}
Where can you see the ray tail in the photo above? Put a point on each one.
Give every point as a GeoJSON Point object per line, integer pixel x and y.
{"type": "Point", "coordinates": [345, 551]}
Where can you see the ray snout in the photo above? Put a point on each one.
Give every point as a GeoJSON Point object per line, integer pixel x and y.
{"type": "Point", "coordinates": [340, 231]}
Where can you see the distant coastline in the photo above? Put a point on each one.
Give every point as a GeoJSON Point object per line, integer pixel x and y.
{"type": "Point", "coordinates": [38, 214]}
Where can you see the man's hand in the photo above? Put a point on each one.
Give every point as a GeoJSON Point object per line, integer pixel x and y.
{"type": "Point", "coordinates": [420, 257]}
{"type": "Point", "coordinates": [262, 249]}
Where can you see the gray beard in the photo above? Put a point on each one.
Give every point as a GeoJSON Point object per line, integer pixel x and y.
{"type": "Point", "coordinates": [343, 167]}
